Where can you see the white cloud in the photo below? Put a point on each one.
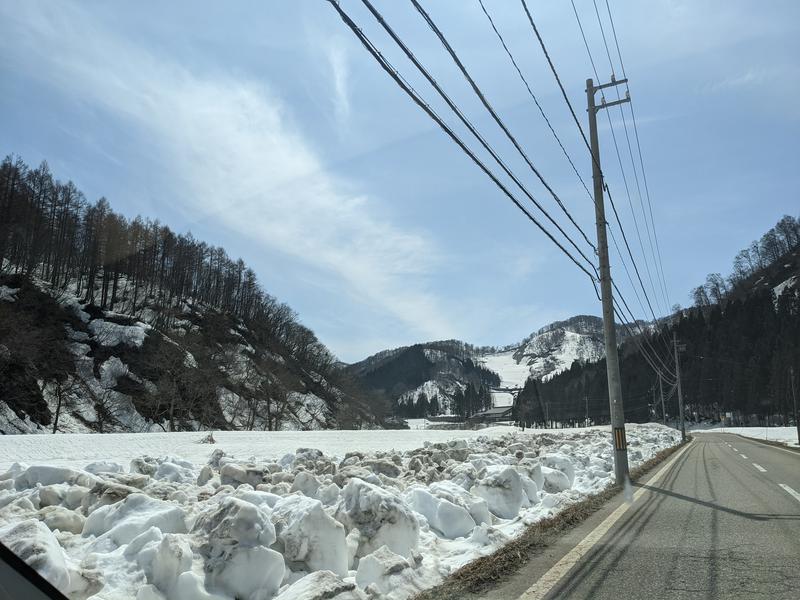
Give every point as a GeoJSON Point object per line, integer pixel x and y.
{"type": "Point", "coordinates": [237, 157]}
{"type": "Point", "coordinates": [337, 58]}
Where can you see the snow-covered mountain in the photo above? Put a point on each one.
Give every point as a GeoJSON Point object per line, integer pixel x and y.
{"type": "Point", "coordinates": [555, 347]}
{"type": "Point", "coordinates": [431, 378]}
{"type": "Point", "coordinates": [442, 370]}
{"type": "Point", "coordinates": [547, 352]}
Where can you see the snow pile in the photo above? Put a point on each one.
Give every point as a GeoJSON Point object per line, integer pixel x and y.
{"type": "Point", "coordinates": [298, 524]}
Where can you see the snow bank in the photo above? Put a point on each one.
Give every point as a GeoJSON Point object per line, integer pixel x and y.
{"type": "Point", "coordinates": [218, 523]}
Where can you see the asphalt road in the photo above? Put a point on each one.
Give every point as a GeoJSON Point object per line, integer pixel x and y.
{"type": "Point", "coordinates": [715, 524]}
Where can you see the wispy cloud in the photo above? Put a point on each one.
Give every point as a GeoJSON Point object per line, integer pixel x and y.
{"type": "Point", "coordinates": [232, 148]}
{"type": "Point", "coordinates": [337, 58]}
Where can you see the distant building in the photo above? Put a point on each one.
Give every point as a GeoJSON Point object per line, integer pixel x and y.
{"type": "Point", "coordinates": [492, 415]}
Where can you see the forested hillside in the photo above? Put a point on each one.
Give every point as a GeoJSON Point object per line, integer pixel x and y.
{"type": "Point", "coordinates": [742, 338]}
{"type": "Point", "coordinates": [122, 323]}
{"type": "Point", "coordinates": [429, 379]}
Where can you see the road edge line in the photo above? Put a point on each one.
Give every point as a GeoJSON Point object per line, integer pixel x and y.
{"type": "Point", "coordinates": [548, 581]}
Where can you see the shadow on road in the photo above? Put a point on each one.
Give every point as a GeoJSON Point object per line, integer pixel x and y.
{"type": "Point", "coordinates": [713, 506]}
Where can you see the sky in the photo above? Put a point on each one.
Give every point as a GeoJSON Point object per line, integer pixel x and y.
{"type": "Point", "coordinates": [266, 128]}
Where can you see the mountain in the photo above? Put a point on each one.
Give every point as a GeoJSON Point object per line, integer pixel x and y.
{"type": "Point", "coordinates": [442, 377]}
{"type": "Point", "coordinates": [555, 347]}
{"type": "Point", "coordinates": [116, 324]}
{"type": "Point", "coordinates": [441, 372]}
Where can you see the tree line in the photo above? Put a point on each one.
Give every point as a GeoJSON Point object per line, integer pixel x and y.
{"type": "Point", "coordinates": [742, 341]}
{"type": "Point", "coordinates": [760, 254]}
{"type": "Point", "coordinates": [139, 267]}
{"type": "Point", "coordinates": [49, 230]}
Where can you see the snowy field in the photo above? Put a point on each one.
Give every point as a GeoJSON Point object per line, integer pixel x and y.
{"type": "Point", "coordinates": [785, 435]}
{"type": "Point", "coordinates": [288, 515]}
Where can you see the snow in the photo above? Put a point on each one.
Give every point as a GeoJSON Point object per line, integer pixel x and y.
{"type": "Point", "coordinates": [784, 435]}
{"type": "Point", "coordinates": [318, 514]}
{"type": "Point", "coordinates": [107, 333]}
{"type": "Point", "coordinates": [778, 289]}
{"type": "Point", "coordinates": [33, 542]}
{"type": "Point", "coordinates": [310, 535]}
{"type": "Point", "coordinates": [8, 294]}
{"type": "Point", "coordinates": [512, 374]}
{"type": "Point", "coordinates": [502, 490]}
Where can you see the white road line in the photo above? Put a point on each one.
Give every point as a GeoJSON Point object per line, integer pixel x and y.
{"type": "Point", "coordinates": [790, 491]}
{"type": "Point", "coordinates": [759, 467]}
{"type": "Point", "coordinates": [548, 581]}
{"type": "Point", "coordinates": [743, 456]}
{"type": "Point", "coordinates": [734, 449]}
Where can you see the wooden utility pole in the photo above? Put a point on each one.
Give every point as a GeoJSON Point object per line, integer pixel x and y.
{"type": "Point", "coordinates": [661, 389]}
{"type": "Point", "coordinates": [609, 326]}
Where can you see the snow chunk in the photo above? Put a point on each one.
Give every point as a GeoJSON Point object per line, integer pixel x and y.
{"type": "Point", "coordinates": [322, 585]}
{"type": "Point", "coordinates": [376, 569]}
{"type": "Point", "coordinates": [502, 490]}
{"type": "Point", "coordinates": [451, 520]}
{"type": "Point", "coordinates": [48, 475]}
{"type": "Point", "coordinates": [554, 480]}
{"type": "Point", "coordinates": [477, 507]}
{"type": "Point", "coordinates": [235, 522]}
{"type": "Point", "coordinates": [381, 517]}
{"type": "Point", "coordinates": [103, 466]}
{"type": "Point", "coordinates": [169, 471]}
{"type": "Point", "coordinates": [123, 521]}
{"type": "Point", "coordinates": [174, 556]}
{"type": "Point", "coordinates": [33, 542]}
{"type": "Point", "coordinates": [561, 463]}
{"type": "Point", "coordinates": [310, 535]}
{"type": "Point", "coordinates": [63, 519]}
{"type": "Point", "coordinates": [249, 573]}
{"type": "Point", "coordinates": [237, 559]}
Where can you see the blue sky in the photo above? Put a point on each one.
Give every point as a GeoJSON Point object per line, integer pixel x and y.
{"type": "Point", "coordinates": [266, 128]}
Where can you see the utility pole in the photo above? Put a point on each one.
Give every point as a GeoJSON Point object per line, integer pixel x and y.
{"type": "Point", "coordinates": [654, 398]}
{"type": "Point", "coordinates": [794, 401]}
{"type": "Point", "coordinates": [680, 391]}
{"type": "Point", "coordinates": [661, 389]}
{"type": "Point", "coordinates": [609, 326]}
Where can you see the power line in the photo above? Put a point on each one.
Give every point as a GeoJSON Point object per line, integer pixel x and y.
{"type": "Point", "coordinates": [426, 17]}
{"type": "Point", "coordinates": [583, 135]}
{"type": "Point", "coordinates": [656, 263]}
{"type": "Point", "coordinates": [639, 148]}
{"type": "Point", "coordinates": [459, 113]}
{"type": "Point", "coordinates": [628, 141]}
{"type": "Point", "coordinates": [417, 99]}
{"type": "Point", "coordinates": [555, 74]}
{"type": "Point", "coordinates": [533, 96]}
{"type": "Point", "coordinates": [619, 156]}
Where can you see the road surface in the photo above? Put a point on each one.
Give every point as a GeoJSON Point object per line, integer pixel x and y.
{"type": "Point", "coordinates": [721, 520]}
